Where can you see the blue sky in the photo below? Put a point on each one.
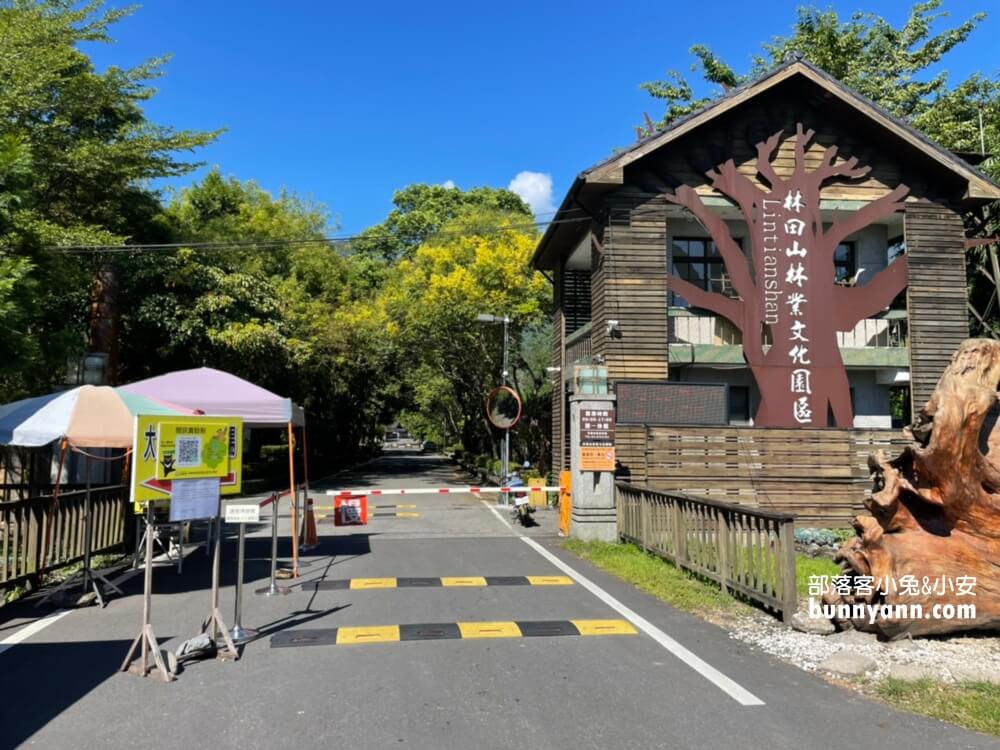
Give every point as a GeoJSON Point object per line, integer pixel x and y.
{"type": "Point", "coordinates": [344, 102]}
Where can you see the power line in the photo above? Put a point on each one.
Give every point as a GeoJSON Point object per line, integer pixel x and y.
{"type": "Point", "coordinates": [342, 240]}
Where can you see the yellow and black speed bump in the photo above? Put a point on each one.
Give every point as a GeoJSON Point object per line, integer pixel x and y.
{"type": "Point", "coordinates": [399, 506]}
{"type": "Point", "coordinates": [310, 637]}
{"type": "Point", "coordinates": [533, 628]}
{"type": "Point", "coordinates": [507, 581]}
{"type": "Point", "coordinates": [446, 582]}
{"type": "Point", "coordinates": [440, 631]}
{"type": "Point", "coordinates": [328, 518]}
{"type": "Point", "coordinates": [418, 583]}
{"type": "Point", "coordinates": [429, 631]}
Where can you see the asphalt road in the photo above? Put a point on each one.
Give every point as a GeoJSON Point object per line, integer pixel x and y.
{"type": "Point", "coordinates": [676, 683]}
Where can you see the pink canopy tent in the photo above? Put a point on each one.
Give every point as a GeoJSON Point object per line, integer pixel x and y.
{"type": "Point", "coordinates": [219, 393]}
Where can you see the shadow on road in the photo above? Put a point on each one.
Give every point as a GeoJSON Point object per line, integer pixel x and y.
{"type": "Point", "coordinates": [41, 680]}
{"type": "Point", "coordinates": [433, 469]}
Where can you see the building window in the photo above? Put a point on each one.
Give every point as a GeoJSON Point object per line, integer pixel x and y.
{"type": "Point", "coordinates": [845, 263]}
{"type": "Point", "coordinates": [739, 403]}
{"type": "Point", "coordinates": [575, 299]}
{"type": "Point", "coordinates": [697, 260]}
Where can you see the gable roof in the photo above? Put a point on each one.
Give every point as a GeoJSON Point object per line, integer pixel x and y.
{"type": "Point", "coordinates": [610, 171]}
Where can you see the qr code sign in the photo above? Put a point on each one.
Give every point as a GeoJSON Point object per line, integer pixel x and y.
{"type": "Point", "coordinates": [188, 452]}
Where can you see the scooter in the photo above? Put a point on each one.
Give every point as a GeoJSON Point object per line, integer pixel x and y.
{"type": "Point", "coordinates": [522, 508]}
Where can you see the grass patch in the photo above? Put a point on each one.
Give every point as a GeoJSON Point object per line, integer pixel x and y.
{"type": "Point", "coordinates": [973, 705]}
{"type": "Point", "coordinates": [684, 590]}
{"type": "Point", "coordinates": [812, 566]}
{"type": "Point", "coordinates": [656, 576]}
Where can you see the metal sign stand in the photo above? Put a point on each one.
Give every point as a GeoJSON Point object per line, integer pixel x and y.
{"type": "Point", "coordinates": [239, 633]}
{"type": "Point", "coordinates": [214, 622]}
{"type": "Point", "coordinates": [140, 522]}
{"type": "Point", "coordinates": [147, 638]}
{"type": "Point", "coordinates": [87, 573]}
{"type": "Point", "coordinates": [274, 589]}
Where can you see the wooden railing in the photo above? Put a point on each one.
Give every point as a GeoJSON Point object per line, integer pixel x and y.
{"type": "Point", "coordinates": [28, 541]}
{"type": "Point", "coordinates": [879, 333]}
{"type": "Point", "coordinates": [748, 552]}
{"type": "Point", "coordinates": [578, 345]}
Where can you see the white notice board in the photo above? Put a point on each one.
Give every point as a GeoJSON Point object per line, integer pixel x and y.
{"type": "Point", "coordinates": [242, 513]}
{"type": "Point", "coordinates": [191, 499]}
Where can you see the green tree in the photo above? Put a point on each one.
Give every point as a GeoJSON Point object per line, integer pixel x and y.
{"type": "Point", "coordinates": [421, 210]}
{"type": "Point", "coordinates": [430, 302]}
{"type": "Point", "coordinates": [891, 65]}
{"type": "Point", "coordinates": [225, 300]}
{"type": "Point", "coordinates": [76, 157]}
{"type": "Point", "coordinates": [261, 293]}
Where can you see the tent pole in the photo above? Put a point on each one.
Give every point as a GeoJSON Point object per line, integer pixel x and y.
{"type": "Point", "coordinates": [87, 531]}
{"type": "Point", "coordinates": [295, 509]}
{"type": "Point", "coordinates": [305, 458]}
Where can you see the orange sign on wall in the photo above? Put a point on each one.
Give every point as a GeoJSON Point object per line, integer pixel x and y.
{"type": "Point", "coordinates": [597, 459]}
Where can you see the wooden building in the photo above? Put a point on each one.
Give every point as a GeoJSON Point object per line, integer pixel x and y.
{"type": "Point", "coordinates": [766, 281]}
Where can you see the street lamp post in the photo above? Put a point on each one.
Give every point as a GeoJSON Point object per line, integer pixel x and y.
{"type": "Point", "coordinates": [505, 455]}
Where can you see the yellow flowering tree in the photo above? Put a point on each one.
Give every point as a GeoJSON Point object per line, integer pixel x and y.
{"type": "Point", "coordinates": [477, 263]}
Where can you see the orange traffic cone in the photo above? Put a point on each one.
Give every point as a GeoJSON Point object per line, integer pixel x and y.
{"type": "Point", "coordinates": [309, 538]}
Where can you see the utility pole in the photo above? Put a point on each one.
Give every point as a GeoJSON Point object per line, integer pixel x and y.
{"type": "Point", "coordinates": [504, 376]}
{"type": "Point", "coordinates": [982, 133]}
{"type": "Point", "coordinates": [104, 319]}
{"type": "Point", "coordinates": [505, 461]}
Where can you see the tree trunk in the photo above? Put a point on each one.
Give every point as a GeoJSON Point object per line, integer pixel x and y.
{"type": "Point", "coordinates": [935, 511]}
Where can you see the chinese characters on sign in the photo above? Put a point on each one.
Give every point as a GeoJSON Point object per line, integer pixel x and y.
{"type": "Point", "coordinates": [184, 448]}
{"type": "Point", "coordinates": [350, 511]}
{"type": "Point", "coordinates": [906, 585]}
{"type": "Point", "coordinates": [597, 427]}
{"type": "Point", "coordinates": [597, 439]}
{"type": "Point", "coordinates": [782, 245]}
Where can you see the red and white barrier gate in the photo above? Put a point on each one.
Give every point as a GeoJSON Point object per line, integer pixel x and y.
{"type": "Point", "coordinates": [442, 491]}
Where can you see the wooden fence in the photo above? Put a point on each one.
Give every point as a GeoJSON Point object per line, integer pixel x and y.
{"type": "Point", "coordinates": [819, 475]}
{"type": "Point", "coordinates": [25, 530]}
{"type": "Point", "coordinates": [746, 551]}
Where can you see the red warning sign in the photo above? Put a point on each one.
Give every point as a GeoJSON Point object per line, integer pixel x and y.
{"type": "Point", "coordinates": [350, 510]}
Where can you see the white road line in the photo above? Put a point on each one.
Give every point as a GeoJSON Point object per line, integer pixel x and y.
{"type": "Point", "coordinates": [740, 694]}
{"type": "Point", "coordinates": [496, 513]}
{"type": "Point", "coordinates": [29, 630]}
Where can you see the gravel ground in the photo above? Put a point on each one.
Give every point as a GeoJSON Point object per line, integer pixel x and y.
{"type": "Point", "coordinates": [943, 656]}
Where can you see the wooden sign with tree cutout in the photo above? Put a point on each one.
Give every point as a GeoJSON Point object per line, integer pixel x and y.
{"type": "Point", "coordinates": [790, 307]}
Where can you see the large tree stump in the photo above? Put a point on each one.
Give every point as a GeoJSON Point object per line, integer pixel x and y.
{"type": "Point", "coordinates": [935, 508]}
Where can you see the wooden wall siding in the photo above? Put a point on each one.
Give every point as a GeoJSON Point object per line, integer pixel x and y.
{"type": "Point", "coordinates": [630, 452]}
{"type": "Point", "coordinates": [819, 475]}
{"type": "Point", "coordinates": [558, 398]}
{"type": "Point", "coordinates": [938, 321]}
{"type": "Point", "coordinates": [629, 285]}
{"type": "Point", "coordinates": [734, 136]}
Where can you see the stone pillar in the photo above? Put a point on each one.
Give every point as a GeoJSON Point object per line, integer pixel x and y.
{"type": "Point", "coordinates": [593, 515]}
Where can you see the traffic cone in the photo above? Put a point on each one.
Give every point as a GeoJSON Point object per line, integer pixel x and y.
{"type": "Point", "coordinates": [309, 538]}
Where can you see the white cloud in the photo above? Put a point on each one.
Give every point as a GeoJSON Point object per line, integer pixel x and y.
{"type": "Point", "coordinates": [535, 189]}
{"type": "Point", "coordinates": [450, 184]}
